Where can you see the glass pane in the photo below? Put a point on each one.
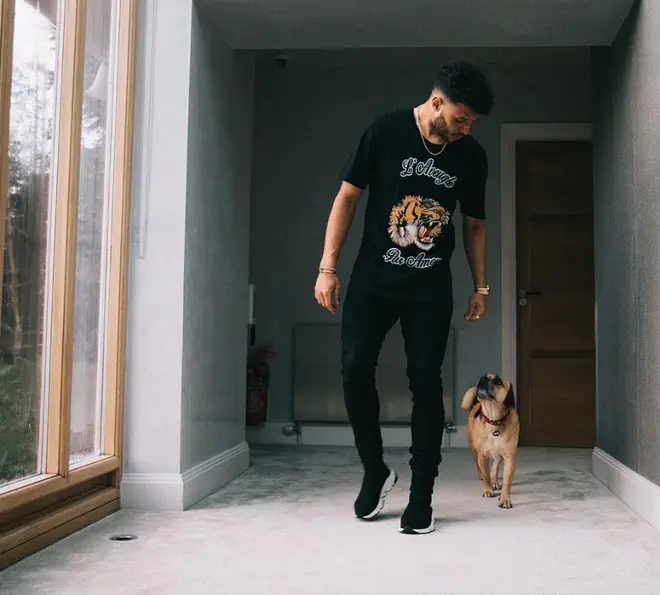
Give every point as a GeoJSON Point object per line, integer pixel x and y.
{"type": "Point", "coordinates": [25, 279]}
{"type": "Point", "coordinates": [92, 252]}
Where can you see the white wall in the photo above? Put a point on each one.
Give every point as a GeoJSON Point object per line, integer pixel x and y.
{"type": "Point", "coordinates": [308, 118]}
{"type": "Point", "coordinates": [185, 387]}
{"type": "Point", "coordinates": [155, 315]}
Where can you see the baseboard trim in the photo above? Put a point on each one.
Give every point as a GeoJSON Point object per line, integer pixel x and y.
{"type": "Point", "coordinates": [637, 492]}
{"type": "Point", "coordinates": [340, 435]}
{"type": "Point", "coordinates": [202, 480]}
{"type": "Point", "coordinates": [165, 492]}
{"type": "Point", "coordinates": [152, 491]}
{"type": "Point", "coordinates": [270, 433]}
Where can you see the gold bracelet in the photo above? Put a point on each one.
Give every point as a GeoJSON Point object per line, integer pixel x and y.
{"type": "Point", "coordinates": [327, 271]}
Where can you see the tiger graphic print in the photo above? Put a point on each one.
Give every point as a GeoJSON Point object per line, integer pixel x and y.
{"type": "Point", "coordinates": [417, 220]}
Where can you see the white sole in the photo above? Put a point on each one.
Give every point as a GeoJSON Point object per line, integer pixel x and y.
{"type": "Point", "coordinates": [424, 531]}
{"type": "Point", "coordinates": [390, 482]}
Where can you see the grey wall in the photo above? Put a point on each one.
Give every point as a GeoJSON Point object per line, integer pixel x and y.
{"type": "Point", "coordinates": [627, 227]}
{"type": "Point", "coordinates": [216, 247]}
{"type": "Point", "coordinates": [308, 118]}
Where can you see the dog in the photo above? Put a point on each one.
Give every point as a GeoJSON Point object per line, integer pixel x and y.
{"type": "Point", "coordinates": [493, 429]}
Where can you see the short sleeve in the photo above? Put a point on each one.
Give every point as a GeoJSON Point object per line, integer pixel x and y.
{"type": "Point", "coordinates": [473, 197]}
{"type": "Point", "coordinates": [359, 168]}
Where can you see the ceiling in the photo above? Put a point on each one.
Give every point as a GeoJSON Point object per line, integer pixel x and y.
{"type": "Point", "coordinates": [301, 24]}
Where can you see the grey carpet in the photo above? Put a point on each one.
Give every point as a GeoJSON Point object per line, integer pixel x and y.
{"type": "Point", "coordinates": [286, 526]}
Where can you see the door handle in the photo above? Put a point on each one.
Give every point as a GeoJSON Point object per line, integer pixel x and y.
{"type": "Point", "coordinates": [523, 294]}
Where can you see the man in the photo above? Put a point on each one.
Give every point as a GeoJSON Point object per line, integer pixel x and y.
{"type": "Point", "coordinates": [418, 164]}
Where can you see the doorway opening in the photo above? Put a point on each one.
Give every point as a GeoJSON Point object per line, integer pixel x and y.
{"type": "Point", "coordinates": [549, 346]}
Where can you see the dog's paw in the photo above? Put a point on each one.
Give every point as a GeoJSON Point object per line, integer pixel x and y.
{"type": "Point", "coordinates": [497, 486]}
{"type": "Point", "coordinates": [505, 504]}
{"type": "Point", "coordinates": [487, 493]}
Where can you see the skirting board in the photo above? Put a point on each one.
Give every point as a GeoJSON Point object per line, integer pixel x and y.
{"type": "Point", "coordinates": [637, 492]}
{"type": "Point", "coordinates": [341, 435]}
{"type": "Point", "coordinates": [175, 491]}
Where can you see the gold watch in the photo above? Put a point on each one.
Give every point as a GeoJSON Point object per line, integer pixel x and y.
{"type": "Point", "coordinates": [483, 290]}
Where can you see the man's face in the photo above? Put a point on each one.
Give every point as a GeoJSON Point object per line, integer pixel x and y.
{"type": "Point", "coordinates": [451, 121]}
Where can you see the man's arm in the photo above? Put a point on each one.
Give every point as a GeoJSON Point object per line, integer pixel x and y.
{"type": "Point", "coordinates": [474, 242]}
{"type": "Point", "coordinates": [327, 287]}
{"type": "Point", "coordinates": [339, 224]}
{"type": "Point", "coordinates": [356, 177]}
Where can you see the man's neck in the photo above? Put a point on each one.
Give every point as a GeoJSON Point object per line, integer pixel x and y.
{"type": "Point", "coordinates": [424, 112]}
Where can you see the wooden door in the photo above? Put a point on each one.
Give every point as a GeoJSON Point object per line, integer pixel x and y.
{"type": "Point", "coordinates": [555, 289]}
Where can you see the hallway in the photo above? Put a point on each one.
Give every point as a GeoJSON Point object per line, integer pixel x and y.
{"type": "Point", "coordinates": [286, 526]}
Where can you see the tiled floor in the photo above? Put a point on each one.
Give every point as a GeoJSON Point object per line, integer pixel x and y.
{"type": "Point", "coordinates": [286, 526]}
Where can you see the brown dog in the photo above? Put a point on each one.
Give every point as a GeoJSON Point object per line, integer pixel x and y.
{"type": "Point", "coordinates": [493, 429]}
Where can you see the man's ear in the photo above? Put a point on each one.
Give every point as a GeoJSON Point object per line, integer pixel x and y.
{"type": "Point", "coordinates": [510, 401]}
{"type": "Point", "coordinates": [438, 101]}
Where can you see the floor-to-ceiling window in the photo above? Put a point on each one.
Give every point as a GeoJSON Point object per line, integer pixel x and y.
{"type": "Point", "coordinates": [66, 96]}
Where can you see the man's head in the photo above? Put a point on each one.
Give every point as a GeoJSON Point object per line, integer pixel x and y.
{"type": "Point", "coordinates": [461, 93]}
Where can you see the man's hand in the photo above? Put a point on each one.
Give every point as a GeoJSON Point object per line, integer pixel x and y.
{"type": "Point", "coordinates": [476, 307]}
{"type": "Point", "coordinates": [326, 291]}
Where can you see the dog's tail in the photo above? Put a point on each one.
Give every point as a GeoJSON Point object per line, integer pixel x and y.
{"type": "Point", "coordinates": [469, 399]}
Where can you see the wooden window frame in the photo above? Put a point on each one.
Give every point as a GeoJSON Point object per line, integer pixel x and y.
{"type": "Point", "coordinates": [40, 510]}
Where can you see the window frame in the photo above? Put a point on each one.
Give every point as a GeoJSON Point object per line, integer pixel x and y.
{"type": "Point", "coordinates": [42, 509]}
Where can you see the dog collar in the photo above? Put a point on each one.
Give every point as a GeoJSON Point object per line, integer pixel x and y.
{"type": "Point", "coordinates": [494, 422]}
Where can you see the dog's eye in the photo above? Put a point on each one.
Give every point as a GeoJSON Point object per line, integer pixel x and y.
{"type": "Point", "coordinates": [497, 381]}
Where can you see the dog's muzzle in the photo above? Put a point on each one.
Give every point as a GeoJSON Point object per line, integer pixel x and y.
{"type": "Point", "coordinates": [485, 389]}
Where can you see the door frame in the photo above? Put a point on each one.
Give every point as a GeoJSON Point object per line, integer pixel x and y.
{"type": "Point", "coordinates": [510, 134]}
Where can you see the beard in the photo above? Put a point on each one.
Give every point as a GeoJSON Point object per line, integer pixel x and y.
{"type": "Point", "coordinates": [439, 126]}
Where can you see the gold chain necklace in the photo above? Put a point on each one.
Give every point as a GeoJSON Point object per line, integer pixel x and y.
{"type": "Point", "coordinates": [419, 127]}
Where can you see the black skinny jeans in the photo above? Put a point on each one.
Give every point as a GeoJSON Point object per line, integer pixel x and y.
{"type": "Point", "coordinates": [366, 320]}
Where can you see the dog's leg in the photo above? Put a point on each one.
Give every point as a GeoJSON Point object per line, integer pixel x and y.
{"type": "Point", "coordinates": [475, 454]}
{"type": "Point", "coordinates": [494, 470]}
{"type": "Point", "coordinates": [483, 471]}
{"type": "Point", "coordinates": [509, 471]}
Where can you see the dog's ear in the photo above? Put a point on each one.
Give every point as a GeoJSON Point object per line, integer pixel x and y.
{"type": "Point", "coordinates": [469, 399]}
{"type": "Point", "coordinates": [510, 401]}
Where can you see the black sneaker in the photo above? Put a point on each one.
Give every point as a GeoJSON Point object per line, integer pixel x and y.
{"type": "Point", "coordinates": [375, 486]}
{"type": "Point", "coordinates": [417, 518]}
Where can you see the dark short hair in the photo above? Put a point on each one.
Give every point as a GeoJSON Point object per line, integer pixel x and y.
{"type": "Point", "coordinates": [463, 82]}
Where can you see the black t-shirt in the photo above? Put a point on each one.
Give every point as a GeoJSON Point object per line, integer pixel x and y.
{"type": "Point", "coordinates": [408, 236]}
